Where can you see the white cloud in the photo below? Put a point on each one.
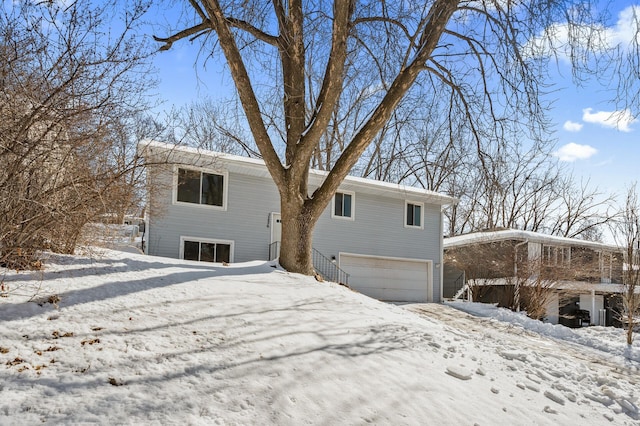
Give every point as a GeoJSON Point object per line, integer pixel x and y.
{"type": "Point", "coordinates": [573, 151]}
{"type": "Point", "coordinates": [570, 126]}
{"type": "Point", "coordinates": [626, 28]}
{"type": "Point", "coordinates": [561, 40]}
{"type": "Point", "coordinates": [619, 120]}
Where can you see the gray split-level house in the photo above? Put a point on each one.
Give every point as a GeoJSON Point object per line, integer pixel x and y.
{"type": "Point", "coordinates": [210, 206]}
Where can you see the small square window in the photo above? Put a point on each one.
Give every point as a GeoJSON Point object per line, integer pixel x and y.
{"type": "Point", "coordinates": [414, 215]}
{"type": "Point", "coordinates": [342, 205]}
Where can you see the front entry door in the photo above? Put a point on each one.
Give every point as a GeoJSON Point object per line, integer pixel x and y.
{"type": "Point", "coordinates": [276, 234]}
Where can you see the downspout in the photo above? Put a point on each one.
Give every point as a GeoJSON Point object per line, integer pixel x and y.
{"type": "Point", "coordinates": [516, 290]}
{"type": "Point", "coordinates": [441, 260]}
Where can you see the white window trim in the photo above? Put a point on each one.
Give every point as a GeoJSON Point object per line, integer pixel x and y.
{"type": "Point", "coordinates": [404, 219]}
{"type": "Point", "coordinates": [353, 206]}
{"type": "Point", "coordinates": [225, 187]}
{"type": "Point", "coordinates": [184, 238]}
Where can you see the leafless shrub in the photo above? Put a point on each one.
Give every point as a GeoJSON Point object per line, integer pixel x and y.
{"type": "Point", "coordinates": [66, 90]}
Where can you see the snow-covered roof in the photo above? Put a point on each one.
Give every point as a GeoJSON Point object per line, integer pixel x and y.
{"type": "Point", "coordinates": [257, 167]}
{"type": "Point", "coordinates": [588, 287]}
{"type": "Point", "coordinates": [518, 235]}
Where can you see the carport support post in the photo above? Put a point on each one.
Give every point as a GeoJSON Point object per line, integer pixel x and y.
{"type": "Point", "coordinates": [593, 307]}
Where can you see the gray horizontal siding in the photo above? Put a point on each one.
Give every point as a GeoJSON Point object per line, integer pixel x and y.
{"type": "Point", "coordinates": [249, 202]}
{"type": "Point", "coordinates": [378, 228]}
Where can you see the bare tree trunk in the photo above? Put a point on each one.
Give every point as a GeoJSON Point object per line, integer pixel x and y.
{"type": "Point", "coordinates": [342, 68]}
{"type": "Point", "coordinates": [627, 233]}
{"type": "Point", "coordinates": [630, 310]}
{"type": "Point", "coordinates": [298, 223]}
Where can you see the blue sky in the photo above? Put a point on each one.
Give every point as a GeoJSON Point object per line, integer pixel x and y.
{"type": "Point", "coordinates": [591, 143]}
{"type": "Point", "coordinates": [594, 139]}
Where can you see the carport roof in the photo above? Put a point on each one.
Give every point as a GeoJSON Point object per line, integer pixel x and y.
{"type": "Point", "coordinates": [518, 235]}
{"type": "Point", "coordinates": [570, 286]}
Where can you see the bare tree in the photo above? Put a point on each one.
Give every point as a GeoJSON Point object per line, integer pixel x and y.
{"type": "Point", "coordinates": [582, 210]}
{"type": "Point", "coordinates": [296, 63]}
{"type": "Point", "coordinates": [523, 189]}
{"type": "Point", "coordinates": [126, 196]}
{"type": "Point", "coordinates": [209, 125]}
{"type": "Point", "coordinates": [64, 86]}
{"type": "Point", "coordinates": [627, 233]}
{"type": "Point", "coordinates": [486, 269]}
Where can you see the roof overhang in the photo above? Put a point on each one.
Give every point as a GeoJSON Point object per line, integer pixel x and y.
{"type": "Point", "coordinates": [177, 154]}
{"type": "Point", "coordinates": [561, 286]}
{"type": "Point", "coordinates": [517, 235]}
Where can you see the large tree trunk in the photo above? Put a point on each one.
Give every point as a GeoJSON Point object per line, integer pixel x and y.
{"type": "Point", "coordinates": [298, 222]}
{"type": "Point", "coordinates": [305, 125]}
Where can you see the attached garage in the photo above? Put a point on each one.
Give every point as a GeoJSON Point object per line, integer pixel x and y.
{"type": "Point", "coordinates": [389, 278]}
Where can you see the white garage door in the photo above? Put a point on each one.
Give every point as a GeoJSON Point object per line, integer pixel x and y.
{"type": "Point", "coordinates": [386, 278]}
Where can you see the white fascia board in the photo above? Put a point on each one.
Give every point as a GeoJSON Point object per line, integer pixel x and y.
{"type": "Point", "coordinates": [256, 167]}
{"type": "Point", "coordinates": [515, 234]}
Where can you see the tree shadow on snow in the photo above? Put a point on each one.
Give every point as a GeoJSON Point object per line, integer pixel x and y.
{"type": "Point", "coordinates": [186, 272]}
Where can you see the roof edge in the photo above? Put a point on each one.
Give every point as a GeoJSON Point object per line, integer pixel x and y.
{"type": "Point", "coordinates": [516, 234]}
{"type": "Point", "coordinates": [146, 147]}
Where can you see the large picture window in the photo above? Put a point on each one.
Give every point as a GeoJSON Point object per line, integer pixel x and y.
{"type": "Point", "coordinates": [206, 250]}
{"type": "Point", "coordinates": [343, 205]}
{"type": "Point", "coordinates": [414, 215]}
{"type": "Point", "coordinates": [199, 187]}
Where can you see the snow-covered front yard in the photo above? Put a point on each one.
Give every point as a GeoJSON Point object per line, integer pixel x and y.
{"type": "Point", "coordinates": [133, 339]}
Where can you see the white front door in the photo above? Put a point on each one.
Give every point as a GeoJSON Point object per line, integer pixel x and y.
{"type": "Point", "coordinates": [275, 224]}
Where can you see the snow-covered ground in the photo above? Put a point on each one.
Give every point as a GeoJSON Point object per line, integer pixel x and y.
{"type": "Point", "coordinates": [123, 338]}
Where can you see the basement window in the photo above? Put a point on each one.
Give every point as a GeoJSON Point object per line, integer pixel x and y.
{"type": "Point", "coordinates": [206, 250]}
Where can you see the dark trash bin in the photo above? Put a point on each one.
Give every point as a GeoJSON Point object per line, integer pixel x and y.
{"type": "Point", "coordinates": [583, 317]}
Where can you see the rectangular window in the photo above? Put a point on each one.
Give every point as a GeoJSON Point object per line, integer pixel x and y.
{"type": "Point", "coordinates": [414, 215]}
{"type": "Point", "coordinates": [200, 188]}
{"type": "Point", "coordinates": [556, 256]}
{"type": "Point", "coordinates": [188, 186]}
{"type": "Point", "coordinates": [212, 187]}
{"type": "Point", "coordinates": [191, 250]}
{"type": "Point", "coordinates": [342, 205]}
{"type": "Point", "coordinates": [206, 251]}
